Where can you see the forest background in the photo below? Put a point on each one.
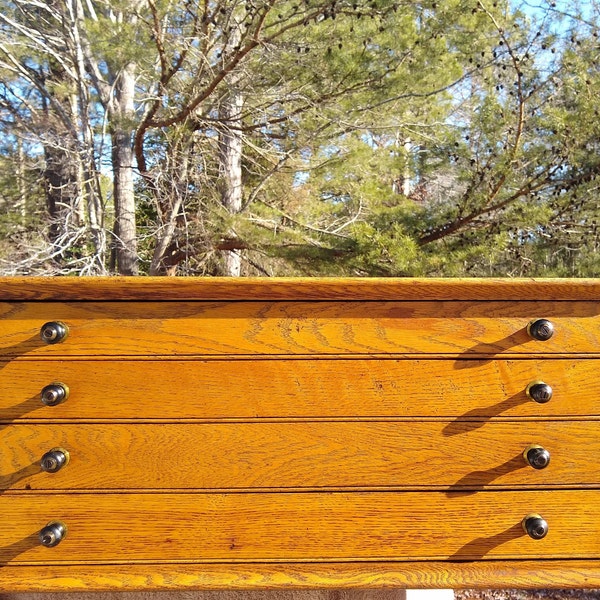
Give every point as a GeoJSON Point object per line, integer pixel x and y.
{"type": "Point", "coordinates": [299, 137]}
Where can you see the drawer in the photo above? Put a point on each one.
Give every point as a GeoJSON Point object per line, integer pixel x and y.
{"type": "Point", "coordinates": [250, 388]}
{"type": "Point", "coordinates": [267, 328]}
{"type": "Point", "coordinates": [129, 528]}
{"type": "Point", "coordinates": [446, 455]}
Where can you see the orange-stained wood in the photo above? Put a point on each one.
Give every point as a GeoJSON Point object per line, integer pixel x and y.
{"type": "Point", "coordinates": [196, 328]}
{"type": "Point", "coordinates": [123, 528]}
{"type": "Point", "coordinates": [297, 388]}
{"type": "Point", "coordinates": [451, 455]}
{"type": "Point", "coordinates": [542, 574]}
{"type": "Point", "coordinates": [299, 433]}
{"type": "Point", "coordinates": [294, 288]}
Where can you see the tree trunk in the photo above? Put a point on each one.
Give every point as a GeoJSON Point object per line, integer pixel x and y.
{"type": "Point", "coordinates": [125, 243]}
{"type": "Point", "coordinates": [61, 177]}
{"type": "Point", "coordinates": [230, 155]}
{"type": "Point", "coordinates": [166, 252]}
{"type": "Point", "coordinates": [231, 146]}
{"type": "Point", "coordinates": [61, 171]}
{"type": "Point", "coordinates": [407, 174]}
{"type": "Point", "coordinates": [21, 188]}
{"type": "Point", "coordinates": [90, 177]}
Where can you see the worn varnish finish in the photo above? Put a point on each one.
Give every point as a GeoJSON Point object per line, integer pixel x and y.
{"type": "Point", "coordinates": [299, 433]}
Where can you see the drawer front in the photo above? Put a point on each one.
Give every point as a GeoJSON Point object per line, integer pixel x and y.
{"type": "Point", "coordinates": [220, 389]}
{"type": "Point", "coordinates": [451, 455]}
{"type": "Point", "coordinates": [308, 526]}
{"type": "Point", "coordinates": [197, 328]}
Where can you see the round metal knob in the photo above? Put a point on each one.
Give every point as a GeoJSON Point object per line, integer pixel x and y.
{"type": "Point", "coordinates": [54, 460]}
{"type": "Point", "coordinates": [540, 329]}
{"type": "Point", "coordinates": [52, 534]}
{"type": "Point", "coordinates": [53, 332]}
{"type": "Point", "coordinates": [54, 394]}
{"type": "Point", "coordinates": [535, 527]}
{"type": "Point", "coordinates": [536, 456]}
{"type": "Point", "coordinates": [539, 391]}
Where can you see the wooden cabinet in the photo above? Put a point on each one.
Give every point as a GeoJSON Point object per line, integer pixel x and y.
{"type": "Point", "coordinates": [179, 434]}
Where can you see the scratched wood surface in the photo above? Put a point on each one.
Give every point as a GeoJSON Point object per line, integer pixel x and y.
{"type": "Point", "coordinates": [192, 328]}
{"type": "Point", "coordinates": [130, 528]}
{"type": "Point", "coordinates": [372, 288]}
{"type": "Point", "coordinates": [301, 455]}
{"type": "Point", "coordinates": [297, 388]}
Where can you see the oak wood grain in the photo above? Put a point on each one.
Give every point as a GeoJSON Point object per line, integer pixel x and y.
{"type": "Point", "coordinates": [373, 288]}
{"type": "Point", "coordinates": [451, 455]}
{"type": "Point", "coordinates": [538, 574]}
{"type": "Point", "coordinates": [195, 328]}
{"type": "Point", "coordinates": [374, 526]}
{"type": "Point", "coordinates": [297, 388]}
{"type": "Point", "coordinates": [269, 356]}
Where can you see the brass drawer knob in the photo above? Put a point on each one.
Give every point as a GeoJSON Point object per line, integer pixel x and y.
{"type": "Point", "coordinates": [535, 527]}
{"type": "Point", "coordinates": [536, 456]}
{"type": "Point", "coordinates": [54, 460]}
{"type": "Point", "coordinates": [54, 394]}
{"type": "Point", "coordinates": [52, 534]}
{"type": "Point", "coordinates": [539, 392]}
{"type": "Point", "coordinates": [53, 332]}
{"type": "Point", "coordinates": [540, 329]}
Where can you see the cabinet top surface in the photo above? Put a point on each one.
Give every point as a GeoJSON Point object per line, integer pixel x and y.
{"type": "Point", "coordinates": [356, 289]}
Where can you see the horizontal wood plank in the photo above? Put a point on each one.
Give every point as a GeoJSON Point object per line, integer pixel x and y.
{"type": "Point", "coordinates": [297, 388]}
{"type": "Point", "coordinates": [196, 328]}
{"type": "Point", "coordinates": [372, 288]}
{"type": "Point", "coordinates": [522, 574]}
{"type": "Point", "coordinates": [130, 528]}
{"type": "Point", "coordinates": [451, 455]}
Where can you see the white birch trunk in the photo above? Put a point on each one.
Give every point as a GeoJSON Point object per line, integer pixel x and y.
{"type": "Point", "coordinates": [122, 163]}
{"type": "Point", "coordinates": [231, 153]}
{"type": "Point", "coordinates": [21, 178]}
{"type": "Point", "coordinates": [407, 175]}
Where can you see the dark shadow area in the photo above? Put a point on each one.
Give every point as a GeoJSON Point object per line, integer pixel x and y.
{"type": "Point", "coordinates": [12, 551]}
{"type": "Point", "coordinates": [9, 353]}
{"type": "Point", "coordinates": [497, 347]}
{"type": "Point", "coordinates": [460, 425]}
{"type": "Point", "coordinates": [18, 410]}
{"type": "Point", "coordinates": [479, 547]}
{"type": "Point", "coordinates": [474, 481]}
{"type": "Point", "coordinates": [9, 481]}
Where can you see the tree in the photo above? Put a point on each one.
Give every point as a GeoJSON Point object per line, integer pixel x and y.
{"type": "Point", "coordinates": [42, 107]}
{"type": "Point", "coordinates": [513, 163]}
{"type": "Point", "coordinates": [274, 137]}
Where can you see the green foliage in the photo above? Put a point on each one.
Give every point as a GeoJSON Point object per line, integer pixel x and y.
{"type": "Point", "coordinates": [380, 137]}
